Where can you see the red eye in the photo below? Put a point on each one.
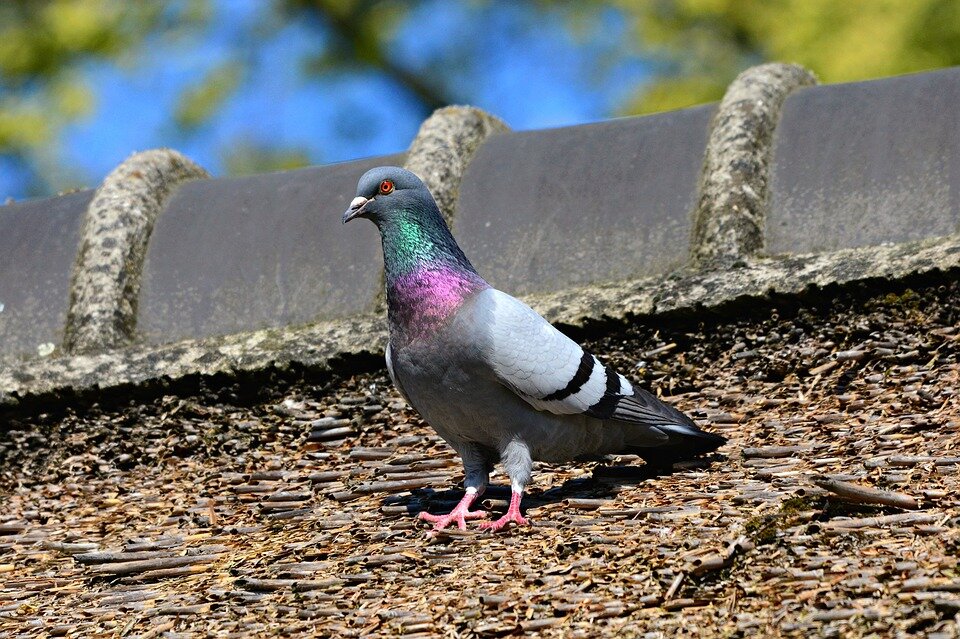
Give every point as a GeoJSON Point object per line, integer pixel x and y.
{"type": "Point", "coordinates": [386, 187]}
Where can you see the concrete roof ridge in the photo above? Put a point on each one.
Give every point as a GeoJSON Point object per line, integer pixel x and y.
{"type": "Point", "coordinates": [571, 196]}
{"type": "Point", "coordinates": [733, 192]}
{"type": "Point", "coordinates": [105, 284]}
{"type": "Point", "coordinates": [443, 148]}
{"type": "Point", "coordinates": [322, 345]}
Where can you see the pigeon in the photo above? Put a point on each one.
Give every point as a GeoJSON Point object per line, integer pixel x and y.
{"type": "Point", "coordinates": [497, 381]}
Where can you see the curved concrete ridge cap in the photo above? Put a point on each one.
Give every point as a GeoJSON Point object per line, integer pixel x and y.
{"type": "Point", "coordinates": [690, 291]}
{"type": "Point", "coordinates": [105, 284]}
{"type": "Point", "coordinates": [315, 345]}
{"type": "Point", "coordinates": [443, 148]}
{"type": "Point", "coordinates": [323, 345]}
{"type": "Point", "coordinates": [729, 222]}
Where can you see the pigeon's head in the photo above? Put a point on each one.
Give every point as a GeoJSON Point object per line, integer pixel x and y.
{"type": "Point", "coordinates": [388, 191]}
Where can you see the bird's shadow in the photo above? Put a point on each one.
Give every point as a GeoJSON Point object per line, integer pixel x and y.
{"type": "Point", "coordinates": [605, 483]}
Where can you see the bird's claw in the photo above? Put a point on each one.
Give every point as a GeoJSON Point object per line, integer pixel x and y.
{"type": "Point", "coordinates": [460, 516]}
{"type": "Point", "coordinates": [510, 518]}
{"type": "Point", "coordinates": [513, 515]}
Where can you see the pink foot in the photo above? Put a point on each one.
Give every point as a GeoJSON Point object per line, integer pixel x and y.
{"type": "Point", "coordinates": [513, 515]}
{"type": "Point", "coordinates": [460, 514]}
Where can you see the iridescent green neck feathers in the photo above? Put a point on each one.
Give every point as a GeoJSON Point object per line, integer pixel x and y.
{"type": "Point", "coordinates": [427, 275]}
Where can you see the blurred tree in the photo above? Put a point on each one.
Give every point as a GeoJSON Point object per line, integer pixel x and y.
{"type": "Point", "coordinates": [245, 157]}
{"type": "Point", "coordinates": [360, 30]}
{"type": "Point", "coordinates": [201, 100]}
{"type": "Point", "coordinates": [42, 44]}
{"type": "Point", "coordinates": [695, 47]}
{"type": "Point", "coordinates": [699, 46]}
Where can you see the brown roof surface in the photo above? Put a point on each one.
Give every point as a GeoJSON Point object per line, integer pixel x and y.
{"type": "Point", "coordinates": [293, 513]}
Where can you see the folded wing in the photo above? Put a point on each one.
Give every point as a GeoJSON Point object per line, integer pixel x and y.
{"type": "Point", "coordinates": [553, 373]}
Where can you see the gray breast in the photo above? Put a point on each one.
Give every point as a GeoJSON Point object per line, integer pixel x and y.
{"type": "Point", "coordinates": [464, 403]}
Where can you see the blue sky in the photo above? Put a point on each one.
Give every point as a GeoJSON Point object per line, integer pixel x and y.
{"type": "Point", "coordinates": [525, 67]}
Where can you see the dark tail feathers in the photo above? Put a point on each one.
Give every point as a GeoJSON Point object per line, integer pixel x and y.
{"type": "Point", "coordinates": [686, 442]}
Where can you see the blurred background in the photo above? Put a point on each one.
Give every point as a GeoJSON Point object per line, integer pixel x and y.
{"type": "Point", "coordinates": [245, 86]}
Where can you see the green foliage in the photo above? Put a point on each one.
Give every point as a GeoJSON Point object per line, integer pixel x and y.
{"type": "Point", "coordinates": [41, 44]}
{"type": "Point", "coordinates": [360, 31]}
{"type": "Point", "coordinates": [697, 47]}
{"type": "Point", "coordinates": [701, 45]}
{"type": "Point", "coordinates": [44, 43]}
{"type": "Point", "coordinates": [202, 100]}
{"type": "Point", "coordinates": [245, 158]}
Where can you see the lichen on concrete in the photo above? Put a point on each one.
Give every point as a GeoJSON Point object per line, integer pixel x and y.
{"type": "Point", "coordinates": [690, 291]}
{"type": "Point", "coordinates": [323, 345]}
{"type": "Point", "coordinates": [733, 193]}
{"type": "Point", "coordinates": [105, 284]}
{"type": "Point", "coordinates": [315, 345]}
{"type": "Point", "coordinates": [728, 265]}
{"type": "Point", "coordinates": [443, 148]}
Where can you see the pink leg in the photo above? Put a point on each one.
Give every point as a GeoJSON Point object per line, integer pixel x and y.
{"type": "Point", "coordinates": [513, 515]}
{"type": "Point", "coordinates": [460, 514]}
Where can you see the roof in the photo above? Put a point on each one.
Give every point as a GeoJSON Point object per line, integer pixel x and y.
{"type": "Point", "coordinates": [294, 513]}
{"type": "Point", "coordinates": [196, 433]}
{"type": "Point", "coordinates": [165, 272]}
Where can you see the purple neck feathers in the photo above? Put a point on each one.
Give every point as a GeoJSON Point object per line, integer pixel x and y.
{"type": "Point", "coordinates": [428, 277]}
{"type": "Point", "coordinates": [421, 300]}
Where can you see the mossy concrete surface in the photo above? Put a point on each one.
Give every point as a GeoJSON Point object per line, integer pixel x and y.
{"type": "Point", "coordinates": [325, 344]}
{"type": "Point", "coordinates": [105, 287]}
{"type": "Point", "coordinates": [444, 147]}
{"type": "Point", "coordinates": [242, 275]}
{"type": "Point", "coordinates": [732, 209]}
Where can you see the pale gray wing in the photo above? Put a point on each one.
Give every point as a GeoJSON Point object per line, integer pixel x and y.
{"type": "Point", "coordinates": [553, 373]}
{"type": "Point", "coordinates": [542, 365]}
{"type": "Point", "coordinates": [393, 375]}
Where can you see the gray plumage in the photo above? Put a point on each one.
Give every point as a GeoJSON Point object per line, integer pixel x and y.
{"type": "Point", "coordinates": [483, 380]}
{"type": "Point", "coordinates": [498, 382]}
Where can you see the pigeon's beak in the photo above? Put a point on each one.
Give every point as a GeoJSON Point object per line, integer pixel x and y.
{"type": "Point", "coordinates": [356, 208]}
